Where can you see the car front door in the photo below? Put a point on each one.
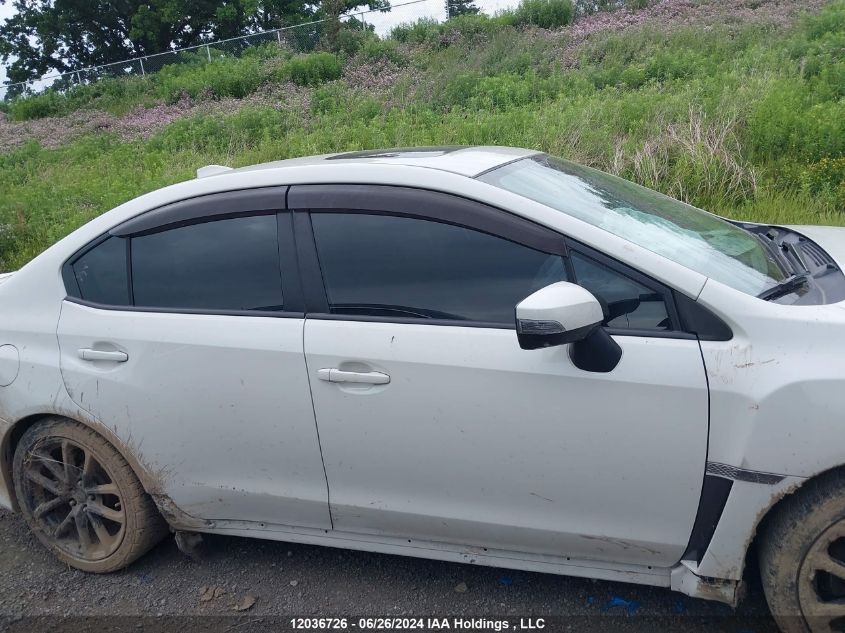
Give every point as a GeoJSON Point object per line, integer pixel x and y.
{"type": "Point", "coordinates": [183, 333]}
{"type": "Point", "coordinates": [436, 426]}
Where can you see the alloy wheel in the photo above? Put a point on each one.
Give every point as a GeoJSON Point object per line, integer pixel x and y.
{"type": "Point", "coordinates": [73, 499]}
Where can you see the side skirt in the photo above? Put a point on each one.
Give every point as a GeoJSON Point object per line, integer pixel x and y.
{"type": "Point", "coordinates": [561, 565]}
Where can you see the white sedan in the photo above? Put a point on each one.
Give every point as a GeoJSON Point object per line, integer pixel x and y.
{"type": "Point", "coordinates": [486, 355]}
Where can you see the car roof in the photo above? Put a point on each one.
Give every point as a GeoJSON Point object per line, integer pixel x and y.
{"type": "Point", "coordinates": [458, 159]}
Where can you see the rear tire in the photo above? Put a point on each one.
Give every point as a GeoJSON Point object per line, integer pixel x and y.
{"type": "Point", "coordinates": [81, 499]}
{"type": "Point", "coordinates": [802, 558]}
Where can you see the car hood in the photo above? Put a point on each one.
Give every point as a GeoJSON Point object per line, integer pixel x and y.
{"type": "Point", "coordinates": [5, 277]}
{"type": "Point", "coordinates": [830, 238]}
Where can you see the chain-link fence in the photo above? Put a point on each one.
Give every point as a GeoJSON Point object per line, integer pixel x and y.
{"type": "Point", "coordinates": [298, 38]}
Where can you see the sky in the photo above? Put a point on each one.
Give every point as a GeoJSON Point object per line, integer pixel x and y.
{"type": "Point", "coordinates": [383, 22]}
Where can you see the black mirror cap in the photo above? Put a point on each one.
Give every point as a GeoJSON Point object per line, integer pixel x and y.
{"type": "Point", "coordinates": [553, 339]}
{"type": "Point", "coordinates": [598, 352]}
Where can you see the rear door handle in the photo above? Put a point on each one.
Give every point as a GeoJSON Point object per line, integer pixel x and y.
{"type": "Point", "coordinates": [98, 354]}
{"type": "Point", "coordinates": [365, 377]}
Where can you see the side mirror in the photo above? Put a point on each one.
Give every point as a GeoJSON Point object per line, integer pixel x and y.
{"type": "Point", "coordinates": [556, 315]}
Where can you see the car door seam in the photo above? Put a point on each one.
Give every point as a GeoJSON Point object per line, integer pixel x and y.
{"type": "Point", "coordinates": [316, 425]}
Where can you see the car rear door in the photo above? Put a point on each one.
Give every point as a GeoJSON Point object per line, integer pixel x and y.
{"type": "Point", "coordinates": [183, 332]}
{"type": "Point", "coordinates": [435, 425]}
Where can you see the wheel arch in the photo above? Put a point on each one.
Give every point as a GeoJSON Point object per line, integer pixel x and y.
{"type": "Point", "coordinates": [777, 504]}
{"type": "Point", "coordinates": [151, 481]}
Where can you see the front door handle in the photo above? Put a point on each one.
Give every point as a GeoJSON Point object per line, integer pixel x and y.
{"type": "Point", "coordinates": [98, 354]}
{"type": "Point", "coordinates": [365, 377]}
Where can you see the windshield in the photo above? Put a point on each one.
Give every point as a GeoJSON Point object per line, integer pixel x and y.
{"type": "Point", "coordinates": [687, 235]}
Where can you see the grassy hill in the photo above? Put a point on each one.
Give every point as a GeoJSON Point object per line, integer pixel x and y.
{"type": "Point", "coordinates": [737, 106]}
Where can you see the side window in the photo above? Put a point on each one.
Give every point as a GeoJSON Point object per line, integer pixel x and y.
{"type": "Point", "coordinates": [230, 264]}
{"type": "Point", "coordinates": [102, 275]}
{"type": "Point", "coordinates": [380, 265]}
{"type": "Point", "coordinates": [628, 303]}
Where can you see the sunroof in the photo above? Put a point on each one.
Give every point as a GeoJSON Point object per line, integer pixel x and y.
{"type": "Point", "coordinates": [400, 152]}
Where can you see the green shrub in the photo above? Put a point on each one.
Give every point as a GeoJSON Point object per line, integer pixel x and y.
{"type": "Point", "coordinates": [313, 69]}
{"type": "Point", "coordinates": [222, 77]}
{"type": "Point", "coordinates": [374, 50]}
{"type": "Point", "coordinates": [328, 99]}
{"type": "Point", "coordinates": [216, 134]}
{"type": "Point", "coordinates": [49, 103]}
{"type": "Point", "coordinates": [826, 179]}
{"type": "Point", "coordinates": [547, 14]}
{"type": "Point", "coordinates": [117, 95]}
{"type": "Point", "coordinates": [418, 32]}
{"type": "Point", "coordinates": [349, 41]}
{"type": "Point", "coordinates": [587, 7]}
{"type": "Point", "coordinates": [438, 34]}
{"type": "Point", "coordinates": [473, 25]}
{"type": "Point", "coordinates": [265, 51]}
{"type": "Point", "coordinates": [791, 120]}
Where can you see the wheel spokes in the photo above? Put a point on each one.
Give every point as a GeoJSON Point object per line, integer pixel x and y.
{"type": "Point", "coordinates": [80, 519]}
{"type": "Point", "coordinates": [63, 475]}
{"type": "Point", "coordinates": [830, 565]}
{"type": "Point", "coordinates": [53, 487]}
{"type": "Point", "coordinates": [102, 489]}
{"type": "Point", "coordinates": [87, 466]}
{"type": "Point", "coordinates": [47, 506]}
{"type": "Point", "coordinates": [100, 530]}
{"type": "Point", "coordinates": [55, 467]}
{"type": "Point", "coordinates": [95, 507]}
{"type": "Point", "coordinates": [67, 458]}
{"type": "Point", "coordinates": [62, 527]}
{"type": "Point", "coordinates": [821, 590]}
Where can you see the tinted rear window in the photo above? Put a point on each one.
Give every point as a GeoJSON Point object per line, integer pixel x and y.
{"type": "Point", "coordinates": [230, 264]}
{"type": "Point", "coordinates": [102, 274]}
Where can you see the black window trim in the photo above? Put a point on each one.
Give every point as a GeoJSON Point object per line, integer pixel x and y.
{"type": "Point", "coordinates": [223, 205]}
{"type": "Point", "coordinates": [250, 313]}
{"type": "Point", "coordinates": [676, 329]}
{"type": "Point", "coordinates": [206, 207]}
{"type": "Point", "coordinates": [304, 289]}
{"type": "Point", "coordinates": [304, 200]}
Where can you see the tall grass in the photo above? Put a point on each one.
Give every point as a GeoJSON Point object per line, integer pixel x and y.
{"type": "Point", "coordinates": [740, 118]}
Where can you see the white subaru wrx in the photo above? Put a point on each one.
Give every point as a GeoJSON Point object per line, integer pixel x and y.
{"type": "Point", "coordinates": [479, 354]}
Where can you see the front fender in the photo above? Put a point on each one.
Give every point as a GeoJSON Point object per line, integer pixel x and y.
{"type": "Point", "coordinates": [777, 411]}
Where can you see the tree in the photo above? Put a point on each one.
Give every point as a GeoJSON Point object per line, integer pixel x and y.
{"type": "Point", "coordinates": [64, 35]}
{"type": "Point", "coordinates": [460, 7]}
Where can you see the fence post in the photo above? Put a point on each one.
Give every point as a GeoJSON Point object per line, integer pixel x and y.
{"type": "Point", "coordinates": [279, 37]}
{"type": "Point", "coordinates": [363, 21]}
{"type": "Point", "coordinates": [208, 52]}
{"type": "Point", "coordinates": [78, 80]}
{"type": "Point", "coordinates": [143, 72]}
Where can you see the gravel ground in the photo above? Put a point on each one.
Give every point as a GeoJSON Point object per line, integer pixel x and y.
{"type": "Point", "coordinates": [166, 591]}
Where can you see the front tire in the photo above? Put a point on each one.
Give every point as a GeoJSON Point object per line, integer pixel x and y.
{"type": "Point", "coordinates": [802, 558]}
{"type": "Point", "coordinates": [81, 499]}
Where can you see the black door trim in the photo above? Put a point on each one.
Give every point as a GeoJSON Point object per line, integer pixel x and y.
{"type": "Point", "coordinates": [426, 205]}
{"type": "Point", "coordinates": [206, 208]}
